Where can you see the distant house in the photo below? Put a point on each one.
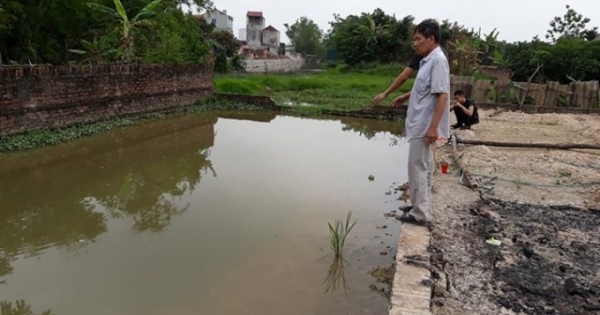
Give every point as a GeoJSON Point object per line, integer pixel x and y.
{"type": "Point", "coordinates": [255, 23]}
{"type": "Point", "coordinates": [261, 42]}
{"type": "Point", "coordinates": [242, 34]}
{"type": "Point", "coordinates": [270, 38]}
{"type": "Point", "coordinates": [220, 19]}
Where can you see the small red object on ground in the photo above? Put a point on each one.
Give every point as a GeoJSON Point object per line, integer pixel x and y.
{"type": "Point", "coordinates": [444, 168]}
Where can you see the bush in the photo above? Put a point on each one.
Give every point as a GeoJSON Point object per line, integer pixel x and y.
{"type": "Point", "coordinates": [221, 65]}
{"type": "Point", "coordinates": [237, 63]}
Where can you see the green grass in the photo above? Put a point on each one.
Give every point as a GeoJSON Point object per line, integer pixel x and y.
{"type": "Point", "coordinates": [334, 89]}
{"type": "Point", "coordinates": [338, 233]}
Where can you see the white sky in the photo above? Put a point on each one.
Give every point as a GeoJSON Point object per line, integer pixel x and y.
{"type": "Point", "coordinates": [514, 19]}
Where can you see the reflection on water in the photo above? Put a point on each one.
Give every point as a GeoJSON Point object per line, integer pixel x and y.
{"type": "Point", "coordinates": [64, 201]}
{"type": "Point", "coordinates": [369, 128]}
{"type": "Point", "coordinates": [19, 307]}
{"type": "Point", "coordinates": [136, 220]}
{"type": "Point", "coordinates": [336, 276]}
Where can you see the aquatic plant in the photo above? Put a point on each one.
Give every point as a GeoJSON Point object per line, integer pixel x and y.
{"type": "Point", "coordinates": [338, 232]}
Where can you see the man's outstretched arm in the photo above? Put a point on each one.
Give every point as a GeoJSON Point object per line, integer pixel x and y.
{"type": "Point", "coordinates": [400, 79]}
{"type": "Point", "coordinates": [398, 82]}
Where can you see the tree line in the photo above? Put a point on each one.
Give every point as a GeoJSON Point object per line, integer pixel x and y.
{"type": "Point", "coordinates": [94, 31]}
{"type": "Point", "coordinates": [159, 31]}
{"type": "Point", "coordinates": [571, 50]}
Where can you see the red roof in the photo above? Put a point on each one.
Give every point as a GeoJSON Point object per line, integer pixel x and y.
{"type": "Point", "coordinates": [254, 14]}
{"type": "Point", "coordinates": [270, 28]}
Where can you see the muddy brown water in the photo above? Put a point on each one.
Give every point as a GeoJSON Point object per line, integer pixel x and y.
{"type": "Point", "coordinates": [208, 214]}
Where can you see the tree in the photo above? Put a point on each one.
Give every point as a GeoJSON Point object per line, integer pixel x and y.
{"type": "Point", "coordinates": [568, 57]}
{"type": "Point", "coordinates": [371, 37]}
{"type": "Point", "coordinates": [142, 18]}
{"type": "Point", "coordinates": [174, 38]}
{"type": "Point", "coordinates": [571, 25]}
{"type": "Point", "coordinates": [33, 31]}
{"type": "Point", "coordinates": [226, 40]}
{"type": "Point", "coordinates": [41, 31]}
{"type": "Point", "coordinates": [306, 36]}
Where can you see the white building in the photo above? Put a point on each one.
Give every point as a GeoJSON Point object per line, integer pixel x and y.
{"type": "Point", "coordinates": [242, 34]}
{"type": "Point", "coordinates": [255, 23]}
{"type": "Point", "coordinates": [270, 37]}
{"type": "Point", "coordinates": [220, 19]}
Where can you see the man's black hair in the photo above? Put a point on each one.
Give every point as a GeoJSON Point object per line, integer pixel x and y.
{"type": "Point", "coordinates": [429, 28]}
{"type": "Point", "coordinates": [459, 93]}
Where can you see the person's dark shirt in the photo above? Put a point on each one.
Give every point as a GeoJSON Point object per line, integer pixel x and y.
{"type": "Point", "coordinates": [467, 104]}
{"type": "Point", "coordinates": [415, 62]}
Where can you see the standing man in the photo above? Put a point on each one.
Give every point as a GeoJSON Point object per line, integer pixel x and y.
{"type": "Point", "coordinates": [427, 118]}
{"type": "Point", "coordinates": [465, 111]}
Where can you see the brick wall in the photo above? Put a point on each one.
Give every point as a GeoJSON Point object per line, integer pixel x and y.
{"type": "Point", "coordinates": [59, 96]}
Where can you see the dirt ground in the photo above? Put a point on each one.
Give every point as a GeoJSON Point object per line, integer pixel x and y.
{"type": "Point", "coordinates": [543, 206]}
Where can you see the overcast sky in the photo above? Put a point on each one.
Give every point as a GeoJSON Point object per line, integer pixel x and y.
{"type": "Point", "coordinates": [514, 19]}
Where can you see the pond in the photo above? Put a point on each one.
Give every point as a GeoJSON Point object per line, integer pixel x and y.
{"type": "Point", "coordinates": [223, 213]}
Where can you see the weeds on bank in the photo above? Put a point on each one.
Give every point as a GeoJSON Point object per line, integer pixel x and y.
{"type": "Point", "coordinates": [213, 104]}
{"type": "Point", "coordinates": [338, 232]}
{"type": "Point", "coordinates": [51, 136]}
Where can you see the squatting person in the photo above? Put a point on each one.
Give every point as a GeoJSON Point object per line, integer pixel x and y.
{"type": "Point", "coordinates": [465, 111]}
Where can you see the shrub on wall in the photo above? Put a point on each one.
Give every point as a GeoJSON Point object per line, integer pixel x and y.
{"type": "Point", "coordinates": [221, 65]}
{"type": "Point", "coordinates": [237, 63]}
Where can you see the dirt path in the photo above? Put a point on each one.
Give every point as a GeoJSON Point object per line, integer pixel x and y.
{"type": "Point", "coordinates": [541, 209]}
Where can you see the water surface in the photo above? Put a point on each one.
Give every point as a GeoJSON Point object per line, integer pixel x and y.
{"type": "Point", "coordinates": [210, 214]}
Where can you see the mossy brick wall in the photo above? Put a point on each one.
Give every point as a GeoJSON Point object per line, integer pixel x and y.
{"type": "Point", "coordinates": [60, 96]}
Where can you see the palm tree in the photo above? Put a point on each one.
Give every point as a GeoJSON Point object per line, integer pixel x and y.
{"type": "Point", "coordinates": [371, 31]}
{"type": "Point", "coordinates": [127, 24]}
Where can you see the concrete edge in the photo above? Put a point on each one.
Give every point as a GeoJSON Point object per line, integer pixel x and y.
{"type": "Point", "coordinates": [412, 283]}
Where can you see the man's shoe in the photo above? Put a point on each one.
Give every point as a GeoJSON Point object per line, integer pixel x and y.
{"type": "Point", "coordinates": [406, 209]}
{"type": "Point", "coordinates": [455, 126]}
{"type": "Point", "coordinates": [466, 127]}
{"type": "Point", "coordinates": [409, 218]}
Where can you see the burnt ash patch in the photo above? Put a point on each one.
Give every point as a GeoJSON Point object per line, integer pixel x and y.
{"type": "Point", "coordinates": [548, 262]}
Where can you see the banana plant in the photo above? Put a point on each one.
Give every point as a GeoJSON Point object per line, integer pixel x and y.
{"type": "Point", "coordinates": [371, 30]}
{"type": "Point", "coordinates": [97, 51]}
{"type": "Point", "coordinates": [500, 61]}
{"type": "Point", "coordinates": [143, 18]}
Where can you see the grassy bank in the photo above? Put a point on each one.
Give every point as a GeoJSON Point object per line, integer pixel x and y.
{"type": "Point", "coordinates": [334, 89]}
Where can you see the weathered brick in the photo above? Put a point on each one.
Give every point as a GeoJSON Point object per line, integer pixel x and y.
{"type": "Point", "coordinates": [59, 96]}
